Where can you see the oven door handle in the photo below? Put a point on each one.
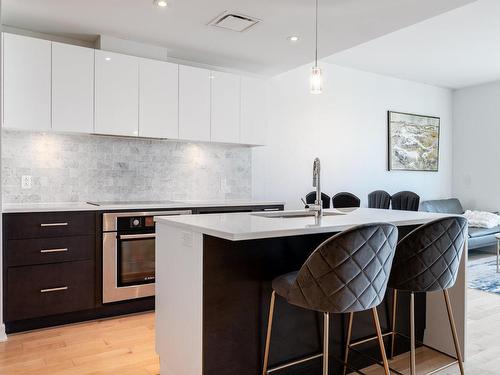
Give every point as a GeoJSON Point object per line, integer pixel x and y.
{"type": "Point", "coordinates": [136, 236]}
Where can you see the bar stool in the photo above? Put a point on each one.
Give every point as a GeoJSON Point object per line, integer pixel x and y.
{"type": "Point", "coordinates": [405, 200]}
{"type": "Point", "coordinates": [426, 260]}
{"type": "Point", "coordinates": [345, 274]}
{"type": "Point", "coordinates": [325, 199]}
{"type": "Point", "coordinates": [379, 199]}
{"type": "Point", "coordinates": [345, 199]}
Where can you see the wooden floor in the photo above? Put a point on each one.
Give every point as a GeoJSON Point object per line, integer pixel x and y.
{"type": "Point", "coordinates": [122, 346]}
{"type": "Point", "coordinates": [125, 346]}
{"type": "Point", "coordinates": [483, 345]}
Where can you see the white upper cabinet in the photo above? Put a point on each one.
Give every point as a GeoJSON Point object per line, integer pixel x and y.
{"type": "Point", "coordinates": [158, 99]}
{"type": "Point", "coordinates": [253, 111]}
{"type": "Point", "coordinates": [225, 113]}
{"type": "Point", "coordinates": [116, 93]}
{"type": "Point", "coordinates": [26, 82]}
{"type": "Point", "coordinates": [194, 103]}
{"type": "Point", "coordinates": [72, 88]}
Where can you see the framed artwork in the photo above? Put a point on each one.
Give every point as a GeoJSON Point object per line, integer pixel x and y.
{"type": "Point", "coordinates": [413, 142]}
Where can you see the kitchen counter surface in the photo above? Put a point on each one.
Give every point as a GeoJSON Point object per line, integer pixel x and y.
{"type": "Point", "coordinates": [82, 206]}
{"type": "Point", "coordinates": [247, 226]}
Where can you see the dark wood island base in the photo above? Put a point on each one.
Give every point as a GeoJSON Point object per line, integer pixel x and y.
{"type": "Point", "coordinates": [236, 292]}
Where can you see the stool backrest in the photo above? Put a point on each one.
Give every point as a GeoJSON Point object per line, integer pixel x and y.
{"type": "Point", "coordinates": [325, 199]}
{"type": "Point", "coordinates": [405, 200]}
{"type": "Point", "coordinates": [345, 200]}
{"type": "Point", "coordinates": [379, 199]}
{"type": "Point", "coordinates": [428, 258]}
{"type": "Point", "coordinates": [348, 272]}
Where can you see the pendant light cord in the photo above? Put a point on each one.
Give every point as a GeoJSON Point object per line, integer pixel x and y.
{"type": "Point", "coordinates": [316, 51]}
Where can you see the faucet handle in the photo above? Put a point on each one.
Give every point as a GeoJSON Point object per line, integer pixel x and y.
{"type": "Point", "coordinates": [305, 203]}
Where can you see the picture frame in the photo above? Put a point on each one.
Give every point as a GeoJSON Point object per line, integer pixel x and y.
{"type": "Point", "coordinates": [413, 142]}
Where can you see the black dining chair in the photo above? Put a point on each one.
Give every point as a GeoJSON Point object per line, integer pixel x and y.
{"type": "Point", "coordinates": [345, 200]}
{"type": "Point", "coordinates": [325, 198]}
{"type": "Point", "coordinates": [347, 273]}
{"type": "Point", "coordinates": [405, 200]}
{"type": "Point", "coordinates": [426, 260]}
{"type": "Point", "coordinates": [379, 199]}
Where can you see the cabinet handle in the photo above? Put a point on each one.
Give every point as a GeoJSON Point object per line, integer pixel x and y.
{"type": "Point", "coordinates": [53, 224]}
{"type": "Point", "coordinates": [272, 209]}
{"type": "Point", "coordinates": [49, 290]}
{"type": "Point", "coordinates": [44, 251]}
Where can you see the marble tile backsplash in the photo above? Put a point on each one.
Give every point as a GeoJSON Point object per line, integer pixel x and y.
{"type": "Point", "coordinates": [74, 168]}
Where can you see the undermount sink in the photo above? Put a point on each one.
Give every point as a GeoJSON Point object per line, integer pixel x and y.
{"type": "Point", "coordinates": [294, 214]}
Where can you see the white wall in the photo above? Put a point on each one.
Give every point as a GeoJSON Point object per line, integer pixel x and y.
{"type": "Point", "coordinates": [476, 141]}
{"type": "Point", "coordinates": [346, 127]}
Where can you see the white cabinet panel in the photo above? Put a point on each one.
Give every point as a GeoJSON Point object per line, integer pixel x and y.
{"type": "Point", "coordinates": [194, 103]}
{"type": "Point", "coordinates": [116, 93]}
{"type": "Point", "coordinates": [158, 99]}
{"type": "Point", "coordinates": [72, 88]}
{"type": "Point", "coordinates": [253, 111]}
{"type": "Point", "coordinates": [26, 82]}
{"type": "Point", "coordinates": [225, 113]}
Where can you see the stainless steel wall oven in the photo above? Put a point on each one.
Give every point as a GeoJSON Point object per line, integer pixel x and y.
{"type": "Point", "coordinates": [128, 259]}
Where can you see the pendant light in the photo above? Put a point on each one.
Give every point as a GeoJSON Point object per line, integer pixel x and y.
{"type": "Point", "coordinates": [316, 78]}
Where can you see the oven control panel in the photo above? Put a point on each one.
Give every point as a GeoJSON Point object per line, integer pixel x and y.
{"type": "Point", "coordinates": [135, 222]}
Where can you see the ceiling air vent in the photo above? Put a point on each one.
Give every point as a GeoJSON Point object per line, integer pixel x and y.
{"type": "Point", "coordinates": [234, 21]}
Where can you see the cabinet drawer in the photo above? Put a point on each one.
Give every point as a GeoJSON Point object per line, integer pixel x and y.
{"type": "Point", "coordinates": [36, 291]}
{"type": "Point", "coordinates": [48, 224]}
{"type": "Point", "coordinates": [49, 250]}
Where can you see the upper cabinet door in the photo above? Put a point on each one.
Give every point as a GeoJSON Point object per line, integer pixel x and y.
{"type": "Point", "coordinates": [26, 82]}
{"type": "Point", "coordinates": [72, 88]}
{"type": "Point", "coordinates": [116, 93]}
{"type": "Point", "coordinates": [194, 103]}
{"type": "Point", "coordinates": [225, 114]}
{"type": "Point", "coordinates": [253, 111]}
{"type": "Point", "coordinates": [158, 99]}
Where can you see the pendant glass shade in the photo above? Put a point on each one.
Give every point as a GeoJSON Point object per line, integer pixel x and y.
{"type": "Point", "coordinates": [316, 80]}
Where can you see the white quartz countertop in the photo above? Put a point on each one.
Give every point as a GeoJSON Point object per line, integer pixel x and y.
{"type": "Point", "coordinates": [247, 226]}
{"type": "Point", "coordinates": [82, 206]}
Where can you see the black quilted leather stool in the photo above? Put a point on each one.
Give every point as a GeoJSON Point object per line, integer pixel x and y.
{"type": "Point", "coordinates": [427, 260]}
{"type": "Point", "coordinates": [345, 274]}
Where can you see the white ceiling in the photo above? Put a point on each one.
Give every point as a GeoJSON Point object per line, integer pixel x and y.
{"type": "Point", "coordinates": [264, 49]}
{"type": "Point", "coordinates": [457, 49]}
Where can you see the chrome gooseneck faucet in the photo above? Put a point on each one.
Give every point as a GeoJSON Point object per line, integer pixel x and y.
{"type": "Point", "coordinates": [318, 204]}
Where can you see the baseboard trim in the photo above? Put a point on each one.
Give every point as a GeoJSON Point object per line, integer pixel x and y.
{"type": "Point", "coordinates": [3, 335]}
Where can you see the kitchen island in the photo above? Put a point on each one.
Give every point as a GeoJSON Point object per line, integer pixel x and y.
{"type": "Point", "coordinates": [213, 283]}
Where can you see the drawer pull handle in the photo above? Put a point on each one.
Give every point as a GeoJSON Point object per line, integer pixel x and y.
{"type": "Point", "coordinates": [54, 289]}
{"type": "Point", "coordinates": [53, 224]}
{"type": "Point", "coordinates": [44, 251]}
{"type": "Point", "coordinates": [272, 209]}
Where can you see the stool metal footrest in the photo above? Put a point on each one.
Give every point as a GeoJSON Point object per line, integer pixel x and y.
{"type": "Point", "coordinates": [293, 363]}
{"type": "Point", "coordinates": [420, 343]}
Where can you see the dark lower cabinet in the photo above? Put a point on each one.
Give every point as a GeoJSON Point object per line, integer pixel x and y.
{"type": "Point", "coordinates": [49, 250]}
{"type": "Point", "coordinates": [52, 268]}
{"type": "Point", "coordinates": [49, 266]}
{"type": "Point", "coordinates": [40, 290]}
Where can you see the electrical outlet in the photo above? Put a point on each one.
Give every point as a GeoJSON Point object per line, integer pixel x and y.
{"type": "Point", "coordinates": [26, 182]}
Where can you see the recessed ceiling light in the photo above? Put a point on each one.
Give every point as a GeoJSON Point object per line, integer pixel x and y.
{"type": "Point", "coordinates": [107, 58]}
{"type": "Point", "coordinates": [161, 3]}
{"type": "Point", "coordinates": [293, 38]}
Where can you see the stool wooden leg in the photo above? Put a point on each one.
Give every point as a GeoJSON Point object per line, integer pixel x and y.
{"type": "Point", "coordinates": [376, 322]}
{"type": "Point", "coordinates": [394, 312]}
{"type": "Point", "coordinates": [413, 366]}
{"type": "Point", "coordinates": [268, 336]}
{"type": "Point", "coordinates": [348, 341]}
{"type": "Point", "coordinates": [326, 338]}
{"type": "Point", "coordinates": [454, 331]}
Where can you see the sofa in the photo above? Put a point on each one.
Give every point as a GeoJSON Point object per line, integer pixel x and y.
{"type": "Point", "coordinates": [478, 237]}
